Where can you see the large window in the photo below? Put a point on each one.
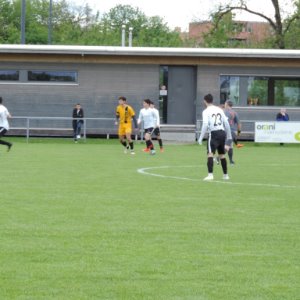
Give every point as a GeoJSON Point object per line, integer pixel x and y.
{"type": "Point", "coordinates": [260, 90]}
{"type": "Point", "coordinates": [52, 76]}
{"type": "Point", "coordinates": [9, 75]}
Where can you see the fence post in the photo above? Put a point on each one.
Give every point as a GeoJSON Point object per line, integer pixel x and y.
{"type": "Point", "coordinates": [27, 130]}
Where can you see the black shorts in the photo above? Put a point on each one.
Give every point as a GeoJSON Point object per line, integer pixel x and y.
{"type": "Point", "coordinates": [149, 130]}
{"type": "Point", "coordinates": [156, 131]}
{"type": "Point", "coordinates": [216, 142]}
{"type": "Point", "coordinates": [2, 131]}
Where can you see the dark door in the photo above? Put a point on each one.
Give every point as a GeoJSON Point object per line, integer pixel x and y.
{"type": "Point", "coordinates": [181, 95]}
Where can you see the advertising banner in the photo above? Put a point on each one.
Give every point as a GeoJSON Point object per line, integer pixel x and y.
{"type": "Point", "coordinates": [277, 132]}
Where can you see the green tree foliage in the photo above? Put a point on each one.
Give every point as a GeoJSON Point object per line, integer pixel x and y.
{"type": "Point", "coordinates": [147, 31]}
{"type": "Point", "coordinates": [279, 26]}
{"type": "Point", "coordinates": [221, 33]}
{"type": "Point", "coordinates": [78, 25]}
{"type": "Point", "coordinates": [292, 35]}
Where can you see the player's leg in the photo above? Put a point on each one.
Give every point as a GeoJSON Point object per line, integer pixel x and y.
{"type": "Point", "coordinates": [159, 139]}
{"type": "Point", "coordinates": [129, 139]}
{"type": "Point", "coordinates": [222, 151]}
{"type": "Point", "coordinates": [210, 158]}
{"type": "Point", "coordinates": [148, 140]}
{"type": "Point", "coordinates": [2, 142]}
{"type": "Point", "coordinates": [122, 137]}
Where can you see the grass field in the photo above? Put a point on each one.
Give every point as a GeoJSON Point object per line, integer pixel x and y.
{"type": "Point", "coordinates": [86, 221]}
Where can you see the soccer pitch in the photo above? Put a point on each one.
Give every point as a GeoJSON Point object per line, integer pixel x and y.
{"type": "Point", "coordinates": [86, 221]}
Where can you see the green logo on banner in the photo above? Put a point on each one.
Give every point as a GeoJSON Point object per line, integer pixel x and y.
{"type": "Point", "coordinates": [297, 136]}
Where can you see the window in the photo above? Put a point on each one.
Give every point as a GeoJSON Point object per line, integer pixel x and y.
{"type": "Point", "coordinates": [9, 75]}
{"type": "Point", "coordinates": [52, 76]}
{"type": "Point", "coordinates": [260, 90]}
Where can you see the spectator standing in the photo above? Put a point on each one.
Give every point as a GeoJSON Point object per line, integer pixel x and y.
{"type": "Point", "coordinates": [282, 116]}
{"type": "Point", "coordinates": [76, 123]}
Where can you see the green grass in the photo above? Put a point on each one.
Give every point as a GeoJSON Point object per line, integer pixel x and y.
{"type": "Point", "coordinates": [78, 221]}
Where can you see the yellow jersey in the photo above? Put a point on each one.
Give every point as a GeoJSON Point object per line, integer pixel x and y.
{"type": "Point", "coordinates": [124, 114]}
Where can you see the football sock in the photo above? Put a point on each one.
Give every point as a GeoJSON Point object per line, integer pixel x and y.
{"type": "Point", "coordinates": [131, 145]}
{"type": "Point", "coordinates": [160, 143]}
{"type": "Point", "coordinates": [124, 143]}
{"type": "Point", "coordinates": [149, 145]}
{"type": "Point", "coordinates": [210, 164]}
{"type": "Point", "coordinates": [224, 165]}
{"type": "Point", "coordinates": [230, 154]}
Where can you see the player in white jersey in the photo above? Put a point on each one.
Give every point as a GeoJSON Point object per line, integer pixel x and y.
{"type": "Point", "coordinates": [216, 124]}
{"type": "Point", "coordinates": [156, 131]}
{"type": "Point", "coordinates": [148, 118]}
{"type": "Point", "coordinates": [4, 125]}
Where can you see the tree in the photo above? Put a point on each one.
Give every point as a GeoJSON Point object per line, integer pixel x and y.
{"type": "Point", "coordinates": [280, 27]}
{"type": "Point", "coordinates": [292, 40]}
{"type": "Point", "coordinates": [147, 31]}
{"type": "Point", "coordinates": [221, 32]}
{"type": "Point", "coordinates": [78, 25]}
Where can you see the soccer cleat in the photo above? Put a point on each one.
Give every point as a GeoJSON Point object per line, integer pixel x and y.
{"type": "Point", "coordinates": [232, 162]}
{"type": "Point", "coordinates": [146, 150]}
{"type": "Point", "coordinates": [209, 177]}
{"type": "Point", "coordinates": [225, 177]}
{"type": "Point", "coordinates": [152, 152]}
{"type": "Point", "coordinates": [126, 149]}
{"type": "Point", "coordinates": [240, 145]}
{"type": "Point", "coordinates": [8, 147]}
{"type": "Point", "coordinates": [132, 152]}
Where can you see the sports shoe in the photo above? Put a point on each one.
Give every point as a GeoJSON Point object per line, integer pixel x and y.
{"type": "Point", "coordinates": [146, 150]}
{"type": "Point", "coordinates": [209, 177]}
{"type": "Point", "coordinates": [126, 149]}
{"type": "Point", "coordinates": [240, 145]}
{"type": "Point", "coordinates": [152, 152]}
{"type": "Point", "coordinates": [8, 147]}
{"type": "Point", "coordinates": [78, 136]}
{"type": "Point", "coordinates": [225, 177]}
{"type": "Point", "coordinates": [132, 152]}
{"type": "Point", "coordinates": [232, 162]}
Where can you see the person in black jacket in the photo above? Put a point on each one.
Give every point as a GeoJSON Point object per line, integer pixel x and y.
{"type": "Point", "coordinates": [77, 114]}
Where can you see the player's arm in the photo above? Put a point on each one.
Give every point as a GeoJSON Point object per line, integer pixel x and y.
{"type": "Point", "coordinates": [239, 125]}
{"type": "Point", "coordinates": [203, 132]}
{"type": "Point", "coordinates": [135, 121]}
{"type": "Point", "coordinates": [139, 121]}
{"type": "Point", "coordinates": [227, 129]}
{"type": "Point", "coordinates": [156, 116]}
{"type": "Point", "coordinates": [117, 117]}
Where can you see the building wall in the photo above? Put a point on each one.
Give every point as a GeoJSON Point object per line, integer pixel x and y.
{"type": "Point", "coordinates": [208, 81]}
{"type": "Point", "coordinates": [98, 89]}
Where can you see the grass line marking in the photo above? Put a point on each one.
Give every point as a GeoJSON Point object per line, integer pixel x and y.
{"type": "Point", "coordinates": [147, 171]}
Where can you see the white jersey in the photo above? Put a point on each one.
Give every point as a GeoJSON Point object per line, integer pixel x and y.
{"type": "Point", "coordinates": [157, 121]}
{"type": "Point", "coordinates": [214, 119]}
{"type": "Point", "coordinates": [3, 117]}
{"type": "Point", "coordinates": [147, 116]}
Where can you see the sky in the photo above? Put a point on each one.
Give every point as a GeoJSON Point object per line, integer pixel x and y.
{"type": "Point", "coordinates": [179, 13]}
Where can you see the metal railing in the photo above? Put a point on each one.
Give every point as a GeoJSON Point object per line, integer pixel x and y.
{"type": "Point", "coordinates": [29, 124]}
